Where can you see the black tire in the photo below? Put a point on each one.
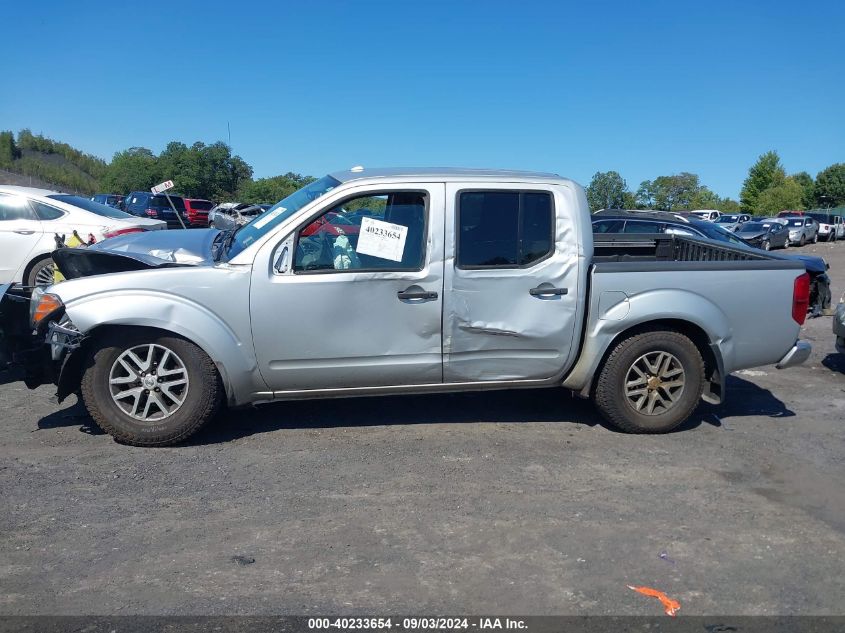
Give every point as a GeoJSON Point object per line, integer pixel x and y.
{"type": "Point", "coordinates": [620, 411]}
{"type": "Point", "coordinates": [767, 246]}
{"type": "Point", "coordinates": [202, 394]}
{"type": "Point", "coordinates": [832, 236]}
{"type": "Point", "coordinates": [802, 241]}
{"type": "Point", "coordinates": [42, 268]}
{"type": "Point", "coordinates": [816, 238]}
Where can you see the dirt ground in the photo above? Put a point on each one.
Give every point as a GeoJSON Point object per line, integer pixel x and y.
{"type": "Point", "coordinates": [513, 502]}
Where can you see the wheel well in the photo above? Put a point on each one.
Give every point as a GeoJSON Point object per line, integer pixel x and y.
{"type": "Point", "coordinates": [75, 364]}
{"type": "Point", "coordinates": [31, 265]}
{"type": "Point", "coordinates": [690, 330]}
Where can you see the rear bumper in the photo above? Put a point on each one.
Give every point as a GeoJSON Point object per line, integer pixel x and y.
{"type": "Point", "coordinates": [795, 356]}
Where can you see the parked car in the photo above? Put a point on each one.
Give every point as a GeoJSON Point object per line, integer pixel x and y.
{"type": "Point", "coordinates": [711, 215]}
{"type": "Point", "coordinates": [333, 224]}
{"type": "Point", "coordinates": [662, 222]}
{"type": "Point", "coordinates": [460, 280]}
{"type": "Point", "coordinates": [831, 226]}
{"type": "Point", "coordinates": [155, 205]}
{"type": "Point", "coordinates": [839, 325]}
{"type": "Point", "coordinates": [229, 215]}
{"type": "Point", "coordinates": [197, 210]}
{"type": "Point", "coordinates": [31, 218]}
{"type": "Point", "coordinates": [110, 199]}
{"type": "Point", "coordinates": [765, 234]}
{"type": "Point", "coordinates": [802, 229]}
{"type": "Point", "coordinates": [628, 221]}
{"type": "Point", "coordinates": [733, 221]}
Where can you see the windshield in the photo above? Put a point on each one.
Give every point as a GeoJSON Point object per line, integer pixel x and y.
{"type": "Point", "coordinates": [94, 207]}
{"type": "Point", "coordinates": [821, 217]}
{"type": "Point", "coordinates": [728, 219]}
{"type": "Point", "coordinates": [279, 212]}
{"type": "Point", "coordinates": [796, 223]}
{"type": "Point", "coordinates": [718, 233]}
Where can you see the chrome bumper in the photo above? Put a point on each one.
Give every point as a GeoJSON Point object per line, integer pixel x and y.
{"type": "Point", "coordinates": [797, 355]}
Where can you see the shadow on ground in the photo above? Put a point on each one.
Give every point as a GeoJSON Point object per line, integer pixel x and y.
{"type": "Point", "coordinates": [836, 362]}
{"type": "Point", "coordinates": [515, 406]}
{"type": "Point", "coordinates": [77, 415]}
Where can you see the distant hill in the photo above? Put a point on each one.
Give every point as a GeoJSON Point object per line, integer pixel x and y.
{"type": "Point", "coordinates": [23, 180]}
{"type": "Point", "coordinates": [34, 160]}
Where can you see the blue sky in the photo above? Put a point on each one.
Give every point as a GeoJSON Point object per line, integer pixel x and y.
{"type": "Point", "coordinates": [643, 88]}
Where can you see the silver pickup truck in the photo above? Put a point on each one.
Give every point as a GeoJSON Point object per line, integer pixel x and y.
{"type": "Point", "coordinates": [369, 282]}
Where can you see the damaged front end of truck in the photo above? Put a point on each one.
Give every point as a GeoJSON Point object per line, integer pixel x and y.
{"type": "Point", "coordinates": [36, 335]}
{"type": "Point", "coordinates": [38, 338]}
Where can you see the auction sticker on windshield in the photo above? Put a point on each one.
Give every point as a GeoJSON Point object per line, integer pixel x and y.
{"type": "Point", "coordinates": [382, 239]}
{"type": "Point", "coordinates": [268, 217]}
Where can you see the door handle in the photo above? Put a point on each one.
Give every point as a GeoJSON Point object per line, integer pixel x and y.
{"type": "Point", "coordinates": [416, 294]}
{"type": "Point", "coordinates": [24, 232]}
{"type": "Point", "coordinates": [541, 291]}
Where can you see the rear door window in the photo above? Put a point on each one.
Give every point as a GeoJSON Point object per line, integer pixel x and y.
{"type": "Point", "coordinates": [608, 226]}
{"type": "Point", "coordinates": [46, 212]}
{"type": "Point", "coordinates": [504, 229]}
{"type": "Point", "coordinates": [635, 226]}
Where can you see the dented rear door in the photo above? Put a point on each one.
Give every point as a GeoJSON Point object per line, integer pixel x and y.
{"type": "Point", "coordinates": [511, 282]}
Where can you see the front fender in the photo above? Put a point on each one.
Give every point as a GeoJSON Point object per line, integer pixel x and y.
{"type": "Point", "coordinates": [232, 351]}
{"type": "Point", "coordinates": [646, 307]}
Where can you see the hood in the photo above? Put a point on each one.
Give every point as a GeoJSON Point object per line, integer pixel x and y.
{"type": "Point", "coordinates": [811, 263]}
{"type": "Point", "coordinates": [180, 246]}
{"type": "Point", "coordinates": [751, 235]}
{"type": "Point", "coordinates": [138, 251]}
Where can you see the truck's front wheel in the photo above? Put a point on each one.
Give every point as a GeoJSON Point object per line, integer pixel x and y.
{"type": "Point", "coordinates": [146, 388]}
{"type": "Point", "coordinates": [651, 382]}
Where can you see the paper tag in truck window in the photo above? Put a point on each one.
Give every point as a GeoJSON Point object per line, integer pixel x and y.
{"type": "Point", "coordinates": [267, 217]}
{"type": "Point", "coordinates": [382, 239]}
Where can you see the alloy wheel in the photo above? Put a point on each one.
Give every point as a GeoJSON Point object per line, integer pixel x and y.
{"type": "Point", "coordinates": [149, 382]}
{"type": "Point", "coordinates": [44, 276]}
{"type": "Point", "coordinates": [654, 383]}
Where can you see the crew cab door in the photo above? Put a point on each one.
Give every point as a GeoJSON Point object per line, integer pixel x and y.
{"type": "Point", "coordinates": [20, 231]}
{"type": "Point", "coordinates": [353, 297]}
{"type": "Point", "coordinates": [511, 285]}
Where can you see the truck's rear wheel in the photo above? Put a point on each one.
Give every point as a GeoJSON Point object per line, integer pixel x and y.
{"type": "Point", "coordinates": [651, 382]}
{"type": "Point", "coordinates": [146, 388]}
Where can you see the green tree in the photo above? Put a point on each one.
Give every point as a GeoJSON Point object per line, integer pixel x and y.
{"type": "Point", "coordinates": [185, 166]}
{"type": "Point", "coordinates": [766, 172]}
{"type": "Point", "coordinates": [675, 192]}
{"type": "Point", "coordinates": [273, 189]}
{"type": "Point", "coordinates": [830, 186]}
{"type": "Point", "coordinates": [785, 196]}
{"type": "Point", "coordinates": [808, 199]}
{"type": "Point", "coordinates": [606, 191]}
{"type": "Point", "coordinates": [9, 152]}
{"type": "Point", "coordinates": [726, 205]}
{"type": "Point", "coordinates": [224, 173]}
{"type": "Point", "coordinates": [645, 195]}
{"type": "Point", "coordinates": [134, 169]}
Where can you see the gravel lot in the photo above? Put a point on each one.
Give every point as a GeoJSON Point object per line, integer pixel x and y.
{"type": "Point", "coordinates": [514, 502]}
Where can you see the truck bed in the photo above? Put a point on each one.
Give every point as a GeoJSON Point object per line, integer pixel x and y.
{"type": "Point", "coordinates": [668, 248]}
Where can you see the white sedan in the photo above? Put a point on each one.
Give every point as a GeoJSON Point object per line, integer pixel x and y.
{"type": "Point", "coordinates": [31, 218]}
